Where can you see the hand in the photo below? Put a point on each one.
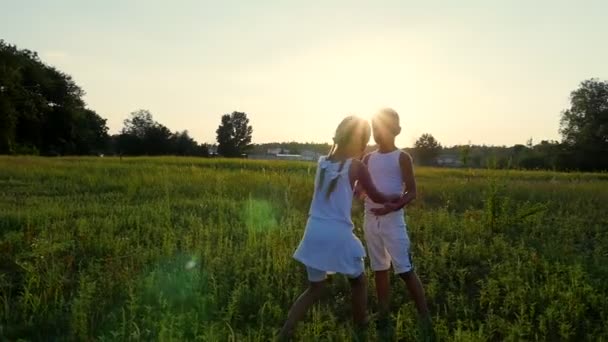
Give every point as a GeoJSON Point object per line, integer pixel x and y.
{"type": "Point", "coordinates": [361, 195]}
{"type": "Point", "coordinates": [359, 192]}
{"type": "Point", "coordinates": [394, 198]}
{"type": "Point", "coordinates": [388, 208]}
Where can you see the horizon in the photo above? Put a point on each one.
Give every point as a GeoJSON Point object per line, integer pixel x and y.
{"type": "Point", "coordinates": [479, 73]}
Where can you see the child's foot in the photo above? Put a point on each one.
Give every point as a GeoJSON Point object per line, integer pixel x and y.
{"type": "Point", "coordinates": [286, 334]}
{"type": "Point", "coordinates": [426, 329]}
{"type": "Point", "coordinates": [385, 328]}
{"type": "Point", "coordinates": [382, 319]}
{"type": "Point", "coordinates": [360, 331]}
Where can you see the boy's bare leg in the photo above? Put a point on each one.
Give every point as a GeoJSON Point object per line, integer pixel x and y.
{"type": "Point", "coordinates": [414, 286]}
{"type": "Point", "coordinates": [383, 291]}
{"type": "Point", "coordinates": [300, 307]}
{"type": "Point", "coordinates": [416, 291]}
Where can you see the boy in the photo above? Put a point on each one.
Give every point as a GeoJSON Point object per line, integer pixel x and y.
{"type": "Point", "coordinates": [385, 230]}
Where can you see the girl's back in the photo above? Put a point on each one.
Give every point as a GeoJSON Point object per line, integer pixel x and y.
{"type": "Point", "coordinates": [333, 196]}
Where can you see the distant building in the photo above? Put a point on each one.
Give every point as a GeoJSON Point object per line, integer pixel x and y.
{"type": "Point", "coordinates": [304, 156]}
{"type": "Point", "coordinates": [283, 156]}
{"type": "Point", "coordinates": [275, 151]}
{"type": "Point", "coordinates": [448, 160]}
{"type": "Point", "coordinates": [279, 153]}
{"type": "Point", "coordinates": [310, 155]}
{"type": "Point", "coordinates": [212, 150]}
{"type": "Point", "coordinates": [278, 156]}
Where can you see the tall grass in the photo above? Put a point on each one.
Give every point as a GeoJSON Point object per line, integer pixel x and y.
{"type": "Point", "coordinates": [197, 249]}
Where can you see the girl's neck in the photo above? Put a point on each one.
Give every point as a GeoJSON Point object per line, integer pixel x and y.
{"type": "Point", "coordinates": [339, 155]}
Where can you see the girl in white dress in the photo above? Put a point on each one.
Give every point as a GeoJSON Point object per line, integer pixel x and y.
{"type": "Point", "coordinates": [329, 245]}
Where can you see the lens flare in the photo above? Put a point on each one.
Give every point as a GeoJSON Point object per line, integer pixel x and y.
{"type": "Point", "coordinates": [259, 215]}
{"type": "Point", "coordinates": [190, 264]}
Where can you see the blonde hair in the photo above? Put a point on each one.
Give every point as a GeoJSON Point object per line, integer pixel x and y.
{"type": "Point", "coordinates": [346, 131]}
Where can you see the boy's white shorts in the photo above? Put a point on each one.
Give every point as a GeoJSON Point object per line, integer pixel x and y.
{"type": "Point", "coordinates": [387, 240]}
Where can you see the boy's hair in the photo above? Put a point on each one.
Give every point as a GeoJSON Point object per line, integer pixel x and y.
{"type": "Point", "coordinates": [347, 129]}
{"type": "Point", "coordinates": [388, 118]}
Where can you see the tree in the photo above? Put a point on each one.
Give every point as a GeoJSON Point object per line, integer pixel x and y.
{"type": "Point", "coordinates": [158, 141]}
{"type": "Point", "coordinates": [465, 154]}
{"type": "Point", "coordinates": [234, 135]}
{"type": "Point", "coordinates": [184, 145]}
{"type": "Point", "coordinates": [584, 126]}
{"type": "Point", "coordinates": [42, 108]}
{"type": "Point", "coordinates": [142, 135]}
{"type": "Point", "coordinates": [139, 123]}
{"type": "Point", "coordinates": [203, 150]}
{"type": "Point", "coordinates": [426, 149]}
{"type": "Point", "coordinates": [134, 132]}
{"type": "Point", "coordinates": [8, 121]}
{"type": "Point", "coordinates": [91, 133]}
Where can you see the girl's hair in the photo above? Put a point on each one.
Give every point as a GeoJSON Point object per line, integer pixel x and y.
{"type": "Point", "coordinates": [351, 127]}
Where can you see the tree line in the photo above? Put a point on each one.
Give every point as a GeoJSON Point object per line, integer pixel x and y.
{"type": "Point", "coordinates": [584, 145]}
{"type": "Point", "coordinates": [42, 112]}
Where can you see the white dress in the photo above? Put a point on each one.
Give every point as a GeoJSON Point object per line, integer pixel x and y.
{"type": "Point", "coordinates": [329, 243]}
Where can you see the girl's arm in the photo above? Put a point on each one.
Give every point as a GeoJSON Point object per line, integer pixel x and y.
{"type": "Point", "coordinates": [359, 192]}
{"type": "Point", "coordinates": [358, 172]}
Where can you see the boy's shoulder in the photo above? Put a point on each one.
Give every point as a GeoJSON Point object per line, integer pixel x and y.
{"type": "Point", "coordinates": [404, 157]}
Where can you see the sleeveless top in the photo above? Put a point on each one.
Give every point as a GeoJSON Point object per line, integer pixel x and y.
{"type": "Point", "coordinates": [328, 243]}
{"type": "Point", "coordinates": [339, 203]}
{"type": "Point", "coordinates": [385, 171]}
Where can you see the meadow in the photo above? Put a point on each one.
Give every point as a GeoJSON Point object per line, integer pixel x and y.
{"type": "Point", "coordinates": [200, 249]}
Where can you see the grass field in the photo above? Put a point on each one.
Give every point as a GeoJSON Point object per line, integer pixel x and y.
{"type": "Point", "coordinates": [198, 249]}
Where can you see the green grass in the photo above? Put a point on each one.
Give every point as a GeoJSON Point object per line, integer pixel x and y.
{"type": "Point", "coordinates": [200, 249]}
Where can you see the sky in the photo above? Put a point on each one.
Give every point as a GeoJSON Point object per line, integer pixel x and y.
{"type": "Point", "coordinates": [480, 72]}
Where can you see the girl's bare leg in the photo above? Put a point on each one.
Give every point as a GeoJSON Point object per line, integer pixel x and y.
{"type": "Point", "coordinates": [359, 299]}
{"type": "Point", "coordinates": [300, 307]}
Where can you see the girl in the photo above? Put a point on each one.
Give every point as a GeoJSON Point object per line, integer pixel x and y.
{"type": "Point", "coordinates": [329, 244]}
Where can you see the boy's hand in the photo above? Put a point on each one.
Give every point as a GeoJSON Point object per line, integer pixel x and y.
{"type": "Point", "coordinates": [388, 208]}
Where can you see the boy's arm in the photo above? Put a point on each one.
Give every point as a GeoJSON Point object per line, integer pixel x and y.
{"type": "Point", "coordinates": [407, 173]}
